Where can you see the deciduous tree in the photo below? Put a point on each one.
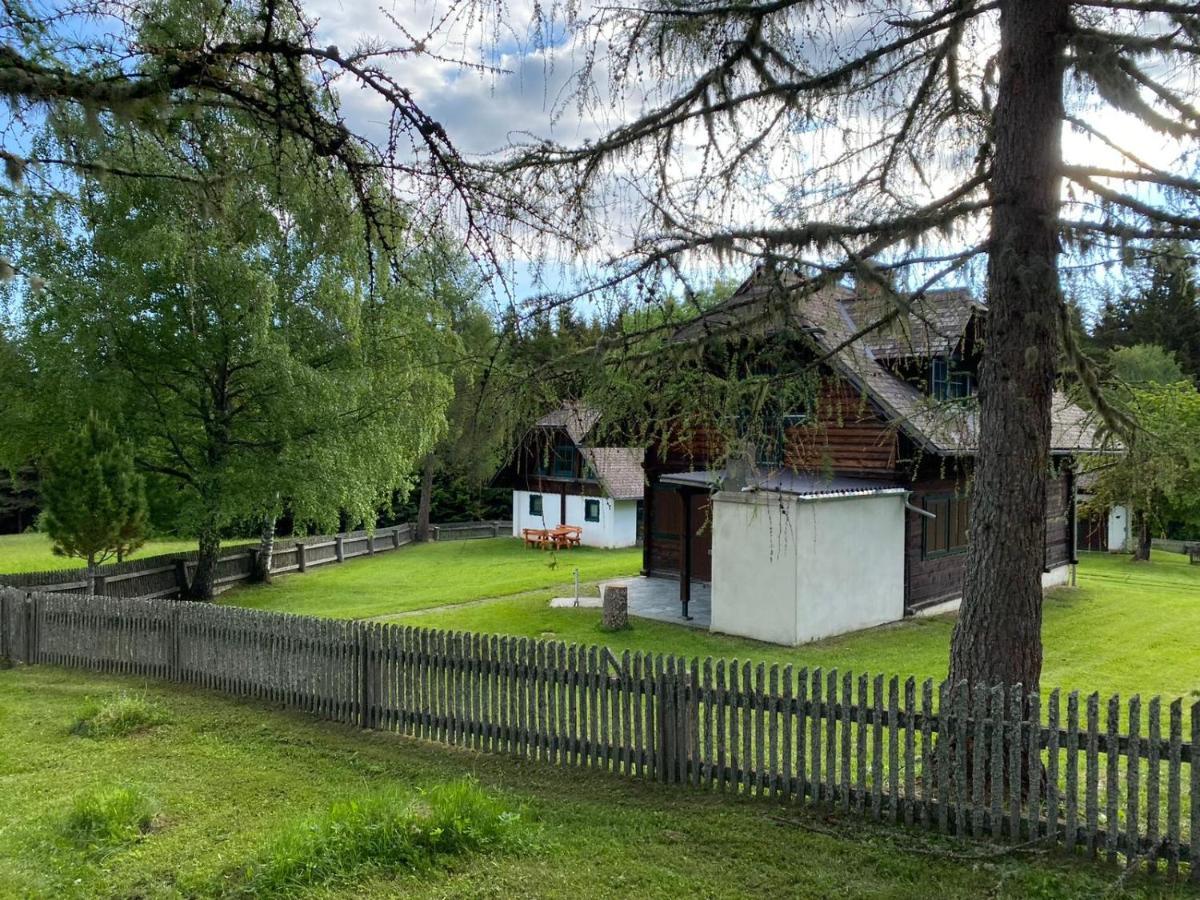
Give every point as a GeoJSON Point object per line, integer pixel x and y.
{"type": "Point", "coordinates": [1158, 474]}
{"type": "Point", "coordinates": [227, 317]}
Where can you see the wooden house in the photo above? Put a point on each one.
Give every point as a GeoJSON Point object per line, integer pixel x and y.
{"type": "Point", "coordinates": [558, 477]}
{"type": "Point", "coordinates": [859, 516]}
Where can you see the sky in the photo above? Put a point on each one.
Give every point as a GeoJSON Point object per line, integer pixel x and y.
{"type": "Point", "coordinates": [499, 72]}
{"type": "Point", "coordinates": [527, 91]}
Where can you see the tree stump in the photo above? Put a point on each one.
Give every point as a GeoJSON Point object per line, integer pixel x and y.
{"type": "Point", "coordinates": [616, 607]}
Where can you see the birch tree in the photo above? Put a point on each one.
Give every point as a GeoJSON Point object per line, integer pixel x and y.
{"type": "Point", "coordinates": [226, 316]}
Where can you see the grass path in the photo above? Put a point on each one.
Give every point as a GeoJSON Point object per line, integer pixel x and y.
{"type": "Point", "coordinates": [427, 576]}
{"type": "Point", "coordinates": [226, 776]}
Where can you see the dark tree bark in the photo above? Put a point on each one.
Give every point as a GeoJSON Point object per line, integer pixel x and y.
{"type": "Point", "coordinates": [998, 635]}
{"type": "Point", "coordinates": [426, 500]}
{"type": "Point", "coordinates": [204, 581]}
{"type": "Point", "coordinates": [266, 550]}
{"type": "Point", "coordinates": [1142, 538]}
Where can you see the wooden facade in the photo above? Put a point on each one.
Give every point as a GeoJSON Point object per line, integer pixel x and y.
{"type": "Point", "coordinates": [548, 461]}
{"type": "Point", "coordinates": [849, 436]}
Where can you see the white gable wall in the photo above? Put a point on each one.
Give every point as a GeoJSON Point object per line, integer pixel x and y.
{"type": "Point", "coordinates": [789, 571]}
{"type": "Point", "coordinates": [617, 526]}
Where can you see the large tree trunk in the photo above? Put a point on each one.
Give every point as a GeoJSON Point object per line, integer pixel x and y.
{"type": "Point", "coordinates": [266, 550]}
{"type": "Point", "coordinates": [998, 635]}
{"type": "Point", "coordinates": [426, 500]}
{"type": "Point", "coordinates": [1141, 536]}
{"type": "Point", "coordinates": [204, 581]}
{"type": "Point", "coordinates": [91, 574]}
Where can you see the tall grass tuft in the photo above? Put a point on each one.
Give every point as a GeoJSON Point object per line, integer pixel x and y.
{"type": "Point", "coordinates": [383, 833]}
{"type": "Point", "coordinates": [119, 715]}
{"type": "Point", "coordinates": [107, 818]}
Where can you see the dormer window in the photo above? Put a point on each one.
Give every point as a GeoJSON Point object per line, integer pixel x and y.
{"type": "Point", "coordinates": [947, 383]}
{"type": "Point", "coordinates": [564, 459]}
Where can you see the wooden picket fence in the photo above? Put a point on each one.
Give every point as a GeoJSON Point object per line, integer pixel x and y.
{"type": "Point", "coordinates": [1106, 781]}
{"type": "Point", "coordinates": [169, 574]}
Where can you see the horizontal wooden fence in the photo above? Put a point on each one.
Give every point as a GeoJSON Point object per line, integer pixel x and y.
{"type": "Point", "coordinates": [1096, 776]}
{"type": "Point", "coordinates": [169, 574]}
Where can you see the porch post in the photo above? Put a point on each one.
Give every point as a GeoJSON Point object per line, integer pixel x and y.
{"type": "Point", "coordinates": [685, 552]}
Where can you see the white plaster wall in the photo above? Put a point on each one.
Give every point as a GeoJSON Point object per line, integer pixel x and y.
{"type": "Point", "coordinates": [522, 519]}
{"type": "Point", "coordinates": [617, 526]}
{"type": "Point", "coordinates": [624, 532]}
{"type": "Point", "coordinates": [1118, 529]}
{"type": "Point", "coordinates": [852, 565]}
{"type": "Point", "coordinates": [1057, 576]}
{"type": "Point", "coordinates": [790, 571]}
{"type": "Point", "coordinates": [754, 559]}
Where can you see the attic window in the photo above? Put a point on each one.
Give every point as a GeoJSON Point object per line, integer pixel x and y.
{"type": "Point", "coordinates": [945, 383]}
{"type": "Point", "coordinates": [564, 459]}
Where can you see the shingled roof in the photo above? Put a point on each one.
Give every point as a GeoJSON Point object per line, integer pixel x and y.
{"type": "Point", "coordinates": [935, 323]}
{"type": "Point", "coordinates": [577, 418]}
{"type": "Point", "coordinates": [618, 469]}
{"type": "Point", "coordinates": [834, 318]}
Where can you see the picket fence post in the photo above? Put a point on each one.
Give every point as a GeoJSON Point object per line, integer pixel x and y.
{"type": "Point", "coordinates": [30, 637]}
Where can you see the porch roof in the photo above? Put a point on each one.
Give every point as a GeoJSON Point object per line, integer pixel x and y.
{"type": "Point", "coordinates": [799, 484]}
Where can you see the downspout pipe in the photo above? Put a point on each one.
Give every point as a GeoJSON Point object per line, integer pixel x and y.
{"type": "Point", "coordinates": [920, 512]}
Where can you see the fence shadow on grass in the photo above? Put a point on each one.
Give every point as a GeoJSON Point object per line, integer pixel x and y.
{"type": "Point", "coordinates": [1096, 776]}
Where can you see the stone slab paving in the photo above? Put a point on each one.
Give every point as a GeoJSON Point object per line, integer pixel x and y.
{"type": "Point", "coordinates": [658, 598]}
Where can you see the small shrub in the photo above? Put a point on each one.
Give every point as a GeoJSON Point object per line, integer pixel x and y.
{"type": "Point", "coordinates": [119, 715]}
{"type": "Point", "coordinates": [389, 833]}
{"type": "Point", "coordinates": [108, 818]}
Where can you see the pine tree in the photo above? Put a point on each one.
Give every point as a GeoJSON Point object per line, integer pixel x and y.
{"type": "Point", "coordinates": [95, 500]}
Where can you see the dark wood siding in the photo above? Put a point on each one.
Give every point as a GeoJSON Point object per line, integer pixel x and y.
{"type": "Point", "coordinates": [1093, 531]}
{"type": "Point", "coordinates": [665, 523]}
{"type": "Point", "coordinates": [1058, 522]}
{"type": "Point", "coordinates": [848, 435]}
{"type": "Point", "coordinates": [931, 580]}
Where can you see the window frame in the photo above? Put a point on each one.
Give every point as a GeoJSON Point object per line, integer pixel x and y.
{"type": "Point", "coordinates": [587, 505]}
{"type": "Point", "coordinates": [956, 523]}
{"type": "Point", "coordinates": [939, 378]}
{"type": "Point", "coordinates": [563, 451]}
{"type": "Point", "coordinates": [540, 511]}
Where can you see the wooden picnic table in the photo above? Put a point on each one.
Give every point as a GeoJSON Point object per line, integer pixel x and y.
{"type": "Point", "coordinates": [563, 537]}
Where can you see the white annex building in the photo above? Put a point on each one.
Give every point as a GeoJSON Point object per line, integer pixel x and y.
{"type": "Point", "coordinates": [558, 478]}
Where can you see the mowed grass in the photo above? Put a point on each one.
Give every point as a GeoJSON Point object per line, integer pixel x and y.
{"type": "Point", "coordinates": [1128, 628]}
{"type": "Point", "coordinates": [235, 787]}
{"type": "Point", "coordinates": [31, 552]}
{"type": "Point", "coordinates": [434, 574]}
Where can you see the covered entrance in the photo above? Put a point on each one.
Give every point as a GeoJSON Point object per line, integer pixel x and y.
{"type": "Point", "coordinates": [678, 535]}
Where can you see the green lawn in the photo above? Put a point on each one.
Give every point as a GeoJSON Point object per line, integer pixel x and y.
{"type": "Point", "coordinates": [1128, 628]}
{"type": "Point", "coordinates": [436, 574]}
{"type": "Point", "coordinates": [31, 552]}
{"type": "Point", "coordinates": [225, 776]}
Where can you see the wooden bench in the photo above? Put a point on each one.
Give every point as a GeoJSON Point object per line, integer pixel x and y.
{"type": "Point", "coordinates": [1193, 553]}
{"type": "Point", "coordinates": [538, 538]}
